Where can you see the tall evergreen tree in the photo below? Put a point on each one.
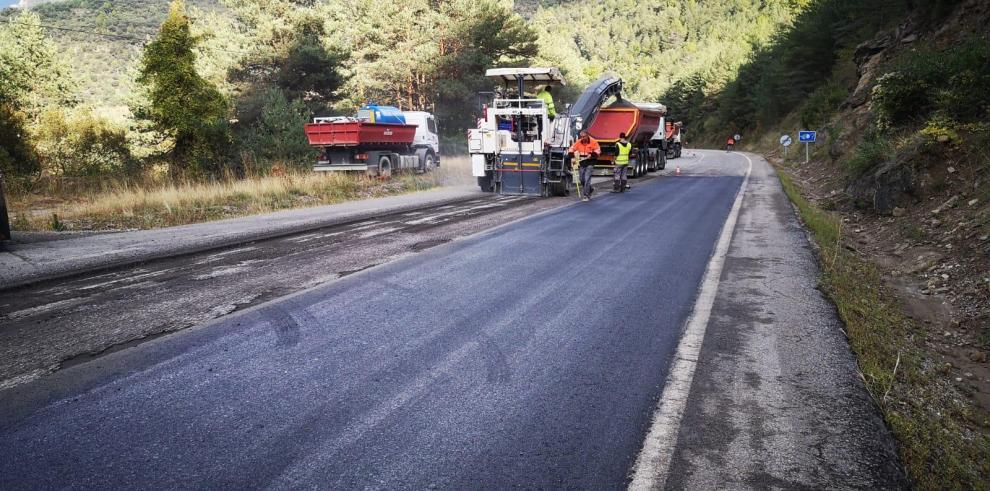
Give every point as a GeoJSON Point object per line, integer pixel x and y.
{"type": "Point", "coordinates": [182, 105]}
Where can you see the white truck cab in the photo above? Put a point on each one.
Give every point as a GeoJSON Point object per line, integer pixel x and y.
{"type": "Point", "coordinates": [427, 135]}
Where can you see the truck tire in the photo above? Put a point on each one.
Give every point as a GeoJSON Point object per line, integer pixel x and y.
{"type": "Point", "coordinates": [427, 160]}
{"type": "Point", "coordinates": [661, 160]}
{"type": "Point", "coordinates": [384, 166]}
{"type": "Point", "coordinates": [485, 183]}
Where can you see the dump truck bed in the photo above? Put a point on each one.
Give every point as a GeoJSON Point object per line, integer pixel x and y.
{"type": "Point", "coordinates": [639, 123]}
{"type": "Point", "coordinates": [356, 133]}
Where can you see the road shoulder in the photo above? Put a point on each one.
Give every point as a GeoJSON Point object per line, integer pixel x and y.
{"type": "Point", "coordinates": [776, 400]}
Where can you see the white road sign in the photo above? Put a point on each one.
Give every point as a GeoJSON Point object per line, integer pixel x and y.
{"type": "Point", "coordinates": [786, 140]}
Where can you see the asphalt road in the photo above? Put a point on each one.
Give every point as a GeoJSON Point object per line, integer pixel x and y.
{"type": "Point", "coordinates": [51, 325]}
{"type": "Point", "coordinates": [531, 355]}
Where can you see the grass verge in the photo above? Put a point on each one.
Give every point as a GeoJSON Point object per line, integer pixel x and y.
{"type": "Point", "coordinates": [130, 206]}
{"type": "Point", "coordinates": [938, 440]}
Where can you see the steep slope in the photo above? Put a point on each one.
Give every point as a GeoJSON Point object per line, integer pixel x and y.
{"type": "Point", "coordinates": [652, 44]}
{"type": "Point", "coordinates": [103, 39]}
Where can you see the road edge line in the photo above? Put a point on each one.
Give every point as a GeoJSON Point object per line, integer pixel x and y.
{"type": "Point", "coordinates": [653, 462]}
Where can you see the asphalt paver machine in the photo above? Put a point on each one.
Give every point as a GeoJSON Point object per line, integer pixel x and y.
{"type": "Point", "coordinates": [509, 145]}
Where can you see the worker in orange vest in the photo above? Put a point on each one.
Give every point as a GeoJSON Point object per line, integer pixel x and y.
{"type": "Point", "coordinates": [729, 144]}
{"type": "Point", "coordinates": [589, 150]}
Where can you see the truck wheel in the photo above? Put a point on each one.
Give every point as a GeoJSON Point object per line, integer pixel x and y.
{"type": "Point", "coordinates": [429, 162]}
{"type": "Point", "coordinates": [384, 166]}
{"type": "Point", "coordinates": [661, 160]}
{"type": "Point", "coordinates": [485, 183]}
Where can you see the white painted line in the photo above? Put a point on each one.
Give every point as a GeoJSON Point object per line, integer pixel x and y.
{"type": "Point", "coordinates": [653, 463]}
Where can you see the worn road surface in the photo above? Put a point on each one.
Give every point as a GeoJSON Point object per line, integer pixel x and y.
{"type": "Point", "coordinates": [530, 355]}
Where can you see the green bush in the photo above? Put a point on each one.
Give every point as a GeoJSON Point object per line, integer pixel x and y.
{"type": "Point", "coordinates": [17, 155]}
{"type": "Point", "coordinates": [80, 143]}
{"type": "Point", "coordinates": [871, 151]}
{"type": "Point", "coordinates": [822, 103]}
{"type": "Point", "coordinates": [938, 82]}
{"type": "Point", "coordinates": [276, 134]}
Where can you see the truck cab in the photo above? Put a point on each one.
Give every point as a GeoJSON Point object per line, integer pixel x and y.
{"type": "Point", "coordinates": [427, 140]}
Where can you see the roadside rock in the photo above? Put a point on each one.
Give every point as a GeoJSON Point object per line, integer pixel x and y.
{"type": "Point", "coordinates": [948, 204]}
{"type": "Point", "coordinates": [897, 211]}
{"type": "Point", "coordinates": [891, 185]}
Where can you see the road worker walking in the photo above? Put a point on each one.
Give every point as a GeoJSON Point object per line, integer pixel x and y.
{"type": "Point", "coordinates": [621, 168]}
{"type": "Point", "coordinates": [586, 150]}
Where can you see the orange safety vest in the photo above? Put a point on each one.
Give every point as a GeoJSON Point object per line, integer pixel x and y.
{"type": "Point", "coordinates": [586, 148]}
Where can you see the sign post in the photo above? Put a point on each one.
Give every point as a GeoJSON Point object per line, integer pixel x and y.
{"type": "Point", "coordinates": [786, 141]}
{"type": "Point", "coordinates": [807, 137]}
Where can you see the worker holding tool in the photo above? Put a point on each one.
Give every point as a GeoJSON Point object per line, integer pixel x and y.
{"type": "Point", "coordinates": [621, 169]}
{"type": "Point", "coordinates": [545, 96]}
{"type": "Point", "coordinates": [586, 150]}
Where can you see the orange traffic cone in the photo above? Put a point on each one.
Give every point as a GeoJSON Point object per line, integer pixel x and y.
{"type": "Point", "coordinates": [678, 172]}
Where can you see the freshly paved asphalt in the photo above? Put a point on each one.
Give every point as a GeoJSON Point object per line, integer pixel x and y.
{"type": "Point", "coordinates": [529, 355]}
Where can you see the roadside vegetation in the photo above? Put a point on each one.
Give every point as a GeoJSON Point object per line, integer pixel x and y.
{"type": "Point", "coordinates": [129, 206]}
{"type": "Point", "coordinates": [931, 423]}
{"type": "Point", "coordinates": [212, 106]}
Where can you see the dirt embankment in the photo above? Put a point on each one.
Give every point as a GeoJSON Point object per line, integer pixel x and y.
{"type": "Point", "coordinates": [919, 212]}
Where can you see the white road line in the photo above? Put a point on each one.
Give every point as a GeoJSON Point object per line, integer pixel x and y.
{"type": "Point", "coordinates": [653, 463]}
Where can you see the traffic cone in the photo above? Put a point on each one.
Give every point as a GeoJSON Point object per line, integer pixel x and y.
{"type": "Point", "coordinates": [678, 172]}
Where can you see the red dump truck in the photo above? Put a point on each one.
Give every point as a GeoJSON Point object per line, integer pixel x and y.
{"type": "Point", "coordinates": [378, 141]}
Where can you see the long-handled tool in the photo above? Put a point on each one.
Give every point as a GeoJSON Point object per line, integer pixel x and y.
{"type": "Point", "coordinates": [576, 172]}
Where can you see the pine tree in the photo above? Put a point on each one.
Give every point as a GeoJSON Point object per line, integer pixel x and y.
{"type": "Point", "coordinates": [183, 105]}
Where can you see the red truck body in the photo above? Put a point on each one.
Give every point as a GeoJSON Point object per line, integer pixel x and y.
{"type": "Point", "coordinates": [638, 123]}
{"type": "Point", "coordinates": [354, 133]}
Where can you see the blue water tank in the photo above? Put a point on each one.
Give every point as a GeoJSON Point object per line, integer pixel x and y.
{"type": "Point", "coordinates": [381, 114]}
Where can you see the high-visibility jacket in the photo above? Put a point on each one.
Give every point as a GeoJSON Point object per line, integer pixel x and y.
{"type": "Point", "coordinates": [548, 102]}
{"type": "Point", "coordinates": [623, 157]}
{"type": "Point", "coordinates": [588, 151]}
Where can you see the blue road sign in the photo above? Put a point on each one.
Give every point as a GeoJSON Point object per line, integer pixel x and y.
{"type": "Point", "coordinates": [807, 136]}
